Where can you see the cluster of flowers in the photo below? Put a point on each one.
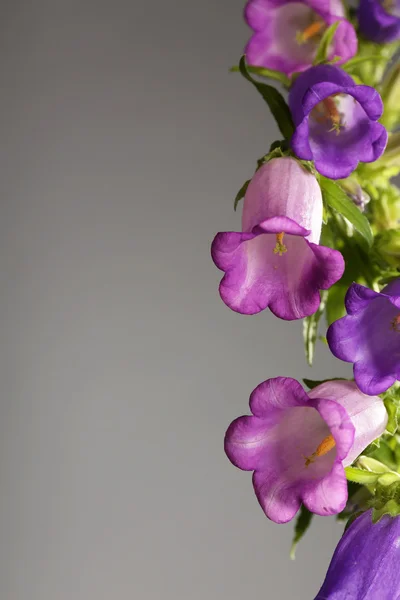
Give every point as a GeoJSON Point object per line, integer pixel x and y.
{"type": "Point", "coordinates": [320, 235]}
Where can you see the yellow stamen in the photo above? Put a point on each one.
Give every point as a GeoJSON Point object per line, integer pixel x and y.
{"type": "Point", "coordinates": [280, 247]}
{"type": "Point", "coordinates": [396, 324]}
{"type": "Point", "coordinates": [311, 31]}
{"type": "Point", "coordinates": [327, 110]}
{"type": "Point", "coordinates": [325, 446]}
{"type": "Point", "coordinates": [388, 5]}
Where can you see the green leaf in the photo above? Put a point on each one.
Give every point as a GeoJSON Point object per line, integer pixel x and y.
{"type": "Point", "coordinates": [325, 44]}
{"type": "Point", "coordinates": [241, 193]}
{"type": "Point", "coordinates": [393, 411]}
{"type": "Point", "coordinates": [302, 524]}
{"type": "Point", "coordinates": [275, 101]}
{"type": "Point", "coordinates": [337, 199]}
{"type": "Point", "coordinates": [311, 384]}
{"type": "Point", "coordinates": [361, 476]}
{"type": "Point", "coordinates": [310, 329]}
{"type": "Point", "coordinates": [355, 62]}
{"type": "Point", "coordinates": [335, 308]}
{"type": "Point", "coordinates": [263, 72]}
{"type": "Point", "coordinates": [386, 500]}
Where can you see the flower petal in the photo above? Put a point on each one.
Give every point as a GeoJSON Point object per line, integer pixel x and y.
{"type": "Point", "coordinates": [277, 393]}
{"type": "Point", "coordinates": [256, 277]}
{"type": "Point", "coordinates": [328, 496]}
{"type": "Point", "coordinates": [358, 297]}
{"type": "Point", "coordinates": [372, 380]}
{"type": "Point", "coordinates": [279, 500]}
{"type": "Point", "coordinates": [367, 413]}
{"type": "Point", "coordinates": [246, 442]}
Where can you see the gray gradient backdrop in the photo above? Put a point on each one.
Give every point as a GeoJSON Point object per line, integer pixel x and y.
{"type": "Point", "coordinates": [124, 141]}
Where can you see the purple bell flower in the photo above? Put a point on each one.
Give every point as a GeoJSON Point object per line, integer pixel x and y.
{"type": "Point", "coordinates": [287, 33]}
{"type": "Point", "coordinates": [369, 336]}
{"type": "Point", "coordinates": [276, 261]}
{"type": "Point", "coordinates": [379, 20]}
{"type": "Point", "coordinates": [336, 121]}
{"type": "Point", "coordinates": [298, 444]}
{"type": "Point", "coordinates": [365, 565]}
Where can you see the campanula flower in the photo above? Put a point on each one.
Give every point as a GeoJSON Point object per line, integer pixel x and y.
{"type": "Point", "coordinates": [365, 565]}
{"type": "Point", "coordinates": [379, 20]}
{"type": "Point", "coordinates": [298, 444]}
{"type": "Point", "coordinates": [287, 33]}
{"type": "Point", "coordinates": [369, 336]}
{"type": "Point", "coordinates": [335, 121]}
{"type": "Point", "coordinates": [276, 261]}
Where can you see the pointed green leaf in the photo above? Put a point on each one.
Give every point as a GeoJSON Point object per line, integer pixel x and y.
{"type": "Point", "coordinates": [393, 411]}
{"type": "Point", "coordinates": [310, 329]}
{"type": "Point", "coordinates": [241, 193]}
{"type": "Point", "coordinates": [263, 72]}
{"type": "Point", "coordinates": [275, 101]}
{"type": "Point", "coordinates": [358, 60]}
{"type": "Point", "coordinates": [361, 476]}
{"type": "Point", "coordinates": [337, 199]}
{"type": "Point", "coordinates": [302, 524]}
{"type": "Point", "coordinates": [325, 44]}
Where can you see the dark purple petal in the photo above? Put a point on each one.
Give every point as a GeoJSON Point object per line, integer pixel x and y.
{"type": "Point", "coordinates": [365, 565]}
{"type": "Point", "coordinates": [376, 24]}
{"type": "Point", "coordinates": [336, 121]}
{"type": "Point", "coordinates": [369, 337]}
{"type": "Point", "coordinates": [358, 297]}
{"type": "Point", "coordinates": [393, 288]}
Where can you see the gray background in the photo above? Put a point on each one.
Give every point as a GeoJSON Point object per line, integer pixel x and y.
{"type": "Point", "coordinates": [124, 140]}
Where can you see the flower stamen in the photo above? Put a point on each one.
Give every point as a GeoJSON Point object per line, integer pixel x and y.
{"type": "Point", "coordinates": [327, 110]}
{"type": "Point", "coordinates": [280, 247]}
{"type": "Point", "coordinates": [325, 446]}
{"type": "Point", "coordinates": [396, 324]}
{"type": "Point", "coordinates": [311, 31]}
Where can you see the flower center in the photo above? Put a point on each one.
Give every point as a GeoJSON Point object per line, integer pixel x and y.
{"type": "Point", "coordinates": [396, 324]}
{"type": "Point", "coordinates": [327, 111]}
{"type": "Point", "coordinates": [325, 446]}
{"type": "Point", "coordinates": [391, 7]}
{"type": "Point", "coordinates": [280, 247]}
{"type": "Point", "coordinates": [312, 31]}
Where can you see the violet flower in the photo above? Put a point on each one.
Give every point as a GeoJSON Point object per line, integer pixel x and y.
{"type": "Point", "coordinates": [379, 20]}
{"type": "Point", "coordinates": [336, 121]}
{"type": "Point", "coordinates": [287, 33]}
{"type": "Point", "coordinates": [365, 565]}
{"type": "Point", "coordinates": [298, 444]}
{"type": "Point", "coordinates": [369, 336]}
{"type": "Point", "coordinates": [275, 261]}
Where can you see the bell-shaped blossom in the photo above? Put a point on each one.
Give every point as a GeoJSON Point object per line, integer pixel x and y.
{"type": "Point", "coordinates": [369, 336]}
{"type": "Point", "coordinates": [298, 444]}
{"type": "Point", "coordinates": [336, 121]}
{"type": "Point", "coordinates": [287, 33]}
{"type": "Point", "coordinates": [365, 565]}
{"type": "Point", "coordinates": [379, 20]}
{"type": "Point", "coordinates": [275, 261]}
